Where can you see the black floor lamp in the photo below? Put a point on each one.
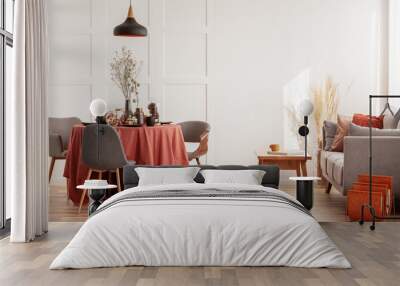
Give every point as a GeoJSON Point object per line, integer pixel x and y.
{"type": "Point", "coordinates": [369, 205]}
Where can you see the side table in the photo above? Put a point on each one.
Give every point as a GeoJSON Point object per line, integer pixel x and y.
{"type": "Point", "coordinates": [96, 195]}
{"type": "Point", "coordinates": [286, 162]}
{"type": "Point", "coordinates": [305, 190]}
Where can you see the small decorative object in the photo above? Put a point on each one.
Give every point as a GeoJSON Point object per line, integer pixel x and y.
{"type": "Point", "coordinates": [150, 121]}
{"type": "Point", "coordinates": [130, 28]}
{"type": "Point", "coordinates": [98, 108]}
{"type": "Point", "coordinates": [305, 109]}
{"type": "Point", "coordinates": [124, 72]}
{"type": "Point", "coordinates": [153, 109]}
{"type": "Point", "coordinates": [139, 115]}
{"type": "Point", "coordinates": [275, 147]}
{"type": "Point", "coordinates": [131, 120]}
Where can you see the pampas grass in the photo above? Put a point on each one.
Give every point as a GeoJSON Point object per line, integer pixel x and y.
{"type": "Point", "coordinates": [325, 102]}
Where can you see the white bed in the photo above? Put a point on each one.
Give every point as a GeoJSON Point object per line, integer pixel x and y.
{"type": "Point", "coordinates": [203, 231]}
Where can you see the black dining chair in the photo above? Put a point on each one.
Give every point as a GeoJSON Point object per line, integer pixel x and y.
{"type": "Point", "coordinates": [102, 151]}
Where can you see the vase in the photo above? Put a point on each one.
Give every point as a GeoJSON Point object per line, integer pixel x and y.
{"type": "Point", "coordinates": [139, 116]}
{"type": "Point", "coordinates": [128, 109]}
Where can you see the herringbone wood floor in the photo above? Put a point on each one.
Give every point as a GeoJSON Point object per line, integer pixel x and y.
{"type": "Point", "coordinates": [375, 256]}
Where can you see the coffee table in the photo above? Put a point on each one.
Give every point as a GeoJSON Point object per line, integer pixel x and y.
{"type": "Point", "coordinates": [286, 162]}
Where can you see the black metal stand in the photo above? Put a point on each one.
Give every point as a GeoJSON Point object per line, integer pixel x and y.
{"type": "Point", "coordinates": [305, 193]}
{"type": "Point", "coordinates": [369, 205]}
{"type": "Point", "coordinates": [96, 197]}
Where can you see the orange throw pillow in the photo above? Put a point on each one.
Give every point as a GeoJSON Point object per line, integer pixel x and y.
{"type": "Point", "coordinates": [363, 120]}
{"type": "Point", "coordinates": [343, 125]}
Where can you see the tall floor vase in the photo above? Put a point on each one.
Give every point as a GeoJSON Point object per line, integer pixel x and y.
{"type": "Point", "coordinates": [27, 117]}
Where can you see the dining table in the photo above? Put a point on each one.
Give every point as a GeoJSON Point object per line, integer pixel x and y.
{"type": "Point", "coordinates": [154, 146]}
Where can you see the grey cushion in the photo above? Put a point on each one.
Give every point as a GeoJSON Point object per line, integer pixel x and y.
{"type": "Point", "coordinates": [270, 179]}
{"type": "Point", "coordinates": [329, 132]}
{"type": "Point", "coordinates": [396, 119]}
{"type": "Point", "coordinates": [356, 130]}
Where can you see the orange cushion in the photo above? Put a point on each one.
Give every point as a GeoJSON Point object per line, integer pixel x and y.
{"type": "Point", "coordinates": [363, 120]}
{"type": "Point", "coordinates": [343, 125]}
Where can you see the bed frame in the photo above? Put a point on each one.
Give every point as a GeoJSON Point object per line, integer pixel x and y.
{"type": "Point", "coordinates": [271, 177]}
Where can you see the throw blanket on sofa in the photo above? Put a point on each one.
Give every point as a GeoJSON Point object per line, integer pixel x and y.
{"type": "Point", "coordinates": [201, 224]}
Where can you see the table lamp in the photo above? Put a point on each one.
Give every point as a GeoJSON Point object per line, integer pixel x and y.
{"type": "Point", "coordinates": [98, 108]}
{"type": "Point", "coordinates": [305, 109]}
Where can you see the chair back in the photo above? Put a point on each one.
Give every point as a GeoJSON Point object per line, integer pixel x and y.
{"type": "Point", "coordinates": [102, 148]}
{"type": "Point", "coordinates": [63, 127]}
{"type": "Point", "coordinates": [194, 130]}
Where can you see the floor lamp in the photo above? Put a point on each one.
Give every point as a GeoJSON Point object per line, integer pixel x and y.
{"type": "Point", "coordinates": [369, 205]}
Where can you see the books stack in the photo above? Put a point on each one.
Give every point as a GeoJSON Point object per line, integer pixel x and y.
{"type": "Point", "coordinates": [288, 153]}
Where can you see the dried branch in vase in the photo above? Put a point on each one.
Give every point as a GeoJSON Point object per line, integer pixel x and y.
{"type": "Point", "coordinates": [125, 69]}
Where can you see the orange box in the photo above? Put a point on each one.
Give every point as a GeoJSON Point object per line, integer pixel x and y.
{"type": "Point", "coordinates": [356, 198]}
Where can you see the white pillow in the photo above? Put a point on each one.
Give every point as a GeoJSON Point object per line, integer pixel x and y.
{"type": "Point", "coordinates": [166, 176]}
{"type": "Point", "coordinates": [248, 177]}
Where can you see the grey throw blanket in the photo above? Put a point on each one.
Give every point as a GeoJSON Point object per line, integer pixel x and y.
{"type": "Point", "coordinates": [206, 194]}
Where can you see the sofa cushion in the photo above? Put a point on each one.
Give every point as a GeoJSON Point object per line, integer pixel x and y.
{"type": "Point", "coordinates": [334, 166]}
{"type": "Point", "coordinates": [356, 130]}
{"type": "Point", "coordinates": [329, 132]}
{"type": "Point", "coordinates": [343, 125]}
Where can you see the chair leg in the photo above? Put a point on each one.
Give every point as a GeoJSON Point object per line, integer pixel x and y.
{"type": "Point", "coordinates": [118, 180]}
{"type": "Point", "coordinates": [328, 188]}
{"type": "Point", "coordinates": [198, 161]}
{"type": "Point", "coordinates": [84, 192]}
{"type": "Point", "coordinates": [53, 160]}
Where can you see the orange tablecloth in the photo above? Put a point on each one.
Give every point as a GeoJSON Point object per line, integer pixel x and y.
{"type": "Point", "coordinates": [158, 145]}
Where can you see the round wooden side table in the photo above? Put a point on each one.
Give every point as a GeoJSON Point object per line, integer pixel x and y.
{"type": "Point", "coordinates": [305, 190]}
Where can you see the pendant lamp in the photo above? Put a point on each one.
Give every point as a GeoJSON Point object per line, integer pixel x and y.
{"type": "Point", "coordinates": [130, 28]}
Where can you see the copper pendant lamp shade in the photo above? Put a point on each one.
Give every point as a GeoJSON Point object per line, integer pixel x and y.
{"type": "Point", "coordinates": [130, 28]}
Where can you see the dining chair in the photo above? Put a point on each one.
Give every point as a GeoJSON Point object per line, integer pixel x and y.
{"type": "Point", "coordinates": [196, 132]}
{"type": "Point", "coordinates": [102, 151]}
{"type": "Point", "coordinates": [59, 133]}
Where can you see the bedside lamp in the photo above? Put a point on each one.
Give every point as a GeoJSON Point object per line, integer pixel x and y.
{"type": "Point", "coordinates": [98, 108]}
{"type": "Point", "coordinates": [305, 109]}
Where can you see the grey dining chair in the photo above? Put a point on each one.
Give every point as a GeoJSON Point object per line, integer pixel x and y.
{"type": "Point", "coordinates": [196, 132]}
{"type": "Point", "coordinates": [59, 133]}
{"type": "Point", "coordinates": [102, 151]}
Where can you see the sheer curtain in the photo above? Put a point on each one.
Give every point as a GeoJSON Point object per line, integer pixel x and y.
{"type": "Point", "coordinates": [27, 121]}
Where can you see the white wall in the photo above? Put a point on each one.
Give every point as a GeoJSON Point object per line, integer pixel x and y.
{"type": "Point", "coordinates": [224, 61]}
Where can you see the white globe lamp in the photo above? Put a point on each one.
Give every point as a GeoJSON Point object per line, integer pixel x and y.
{"type": "Point", "coordinates": [98, 108]}
{"type": "Point", "coordinates": [305, 109]}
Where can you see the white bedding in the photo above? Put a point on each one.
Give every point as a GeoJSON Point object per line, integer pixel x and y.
{"type": "Point", "coordinates": [200, 231]}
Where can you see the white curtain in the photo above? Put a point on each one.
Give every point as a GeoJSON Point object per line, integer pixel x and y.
{"type": "Point", "coordinates": [28, 123]}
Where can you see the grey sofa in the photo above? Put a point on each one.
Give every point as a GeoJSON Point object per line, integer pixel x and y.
{"type": "Point", "coordinates": [270, 179]}
{"type": "Point", "coordinates": [341, 169]}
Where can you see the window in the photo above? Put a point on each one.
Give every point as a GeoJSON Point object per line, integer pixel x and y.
{"type": "Point", "coordinates": [6, 44]}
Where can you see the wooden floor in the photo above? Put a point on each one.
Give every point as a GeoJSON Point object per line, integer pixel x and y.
{"type": "Point", "coordinates": [375, 257]}
{"type": "Point", "coordinates": [327, 207]}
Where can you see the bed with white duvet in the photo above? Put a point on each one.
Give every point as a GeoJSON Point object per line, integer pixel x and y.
{"type": "Point", "coordinates": [201, 225]}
